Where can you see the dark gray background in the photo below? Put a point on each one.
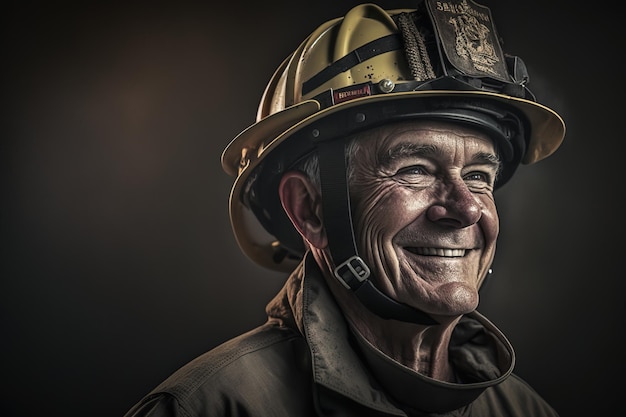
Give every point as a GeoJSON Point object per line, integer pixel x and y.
{"type": "Point", "coordinates": [117, 260]}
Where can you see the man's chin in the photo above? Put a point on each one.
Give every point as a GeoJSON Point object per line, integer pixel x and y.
{"type": "Point", "coordinates": [454, 299]}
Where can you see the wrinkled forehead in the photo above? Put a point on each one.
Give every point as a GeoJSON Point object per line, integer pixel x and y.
{"type": "Point", "coordinates": [440, 136]}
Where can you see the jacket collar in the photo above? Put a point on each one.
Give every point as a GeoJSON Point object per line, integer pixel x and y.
{"type": "Point", "coordinates": [481, 354]}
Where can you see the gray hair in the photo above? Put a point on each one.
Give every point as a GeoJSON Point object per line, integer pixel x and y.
{"type": "Point", "coordinates": [310, 165]}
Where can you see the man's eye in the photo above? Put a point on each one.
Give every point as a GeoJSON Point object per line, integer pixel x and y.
{"type": "Point", "coordinates": [478, 177]}
{"type": "Point", "coordinates": [412, 170]}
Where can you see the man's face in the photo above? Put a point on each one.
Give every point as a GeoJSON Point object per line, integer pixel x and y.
{"type": "Point", "coordinates": [424, 212]}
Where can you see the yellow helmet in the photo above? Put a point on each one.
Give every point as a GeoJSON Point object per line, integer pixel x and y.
{"type": "Point", "coordinates": [372, 66]}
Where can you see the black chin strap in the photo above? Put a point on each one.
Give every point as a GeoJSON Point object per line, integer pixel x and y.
{"type": "Point", "coordinates": [350, 269]}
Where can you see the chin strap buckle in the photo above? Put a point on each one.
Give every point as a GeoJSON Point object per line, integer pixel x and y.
{"type": "Point", "coordinates": [352, 272]}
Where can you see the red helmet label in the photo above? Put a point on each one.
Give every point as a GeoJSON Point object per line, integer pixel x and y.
{"type": "Point", "coordinates": [352, 92]}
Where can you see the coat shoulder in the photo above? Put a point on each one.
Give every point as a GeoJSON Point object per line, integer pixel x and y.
{"type": "Point", "coordinates": [254, 368]}
{"type": "Point", "coordinates": [513, 397]}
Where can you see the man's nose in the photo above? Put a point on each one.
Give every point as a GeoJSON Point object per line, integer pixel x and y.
{"type": "Point", "coordinates": [456, 206]}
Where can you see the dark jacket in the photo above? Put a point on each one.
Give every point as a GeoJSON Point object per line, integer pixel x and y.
{"type": "Point", "coordinates": [305, 361]}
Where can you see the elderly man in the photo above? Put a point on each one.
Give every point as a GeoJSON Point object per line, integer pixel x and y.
{"type": "Point", "coordinates": [370, 177]}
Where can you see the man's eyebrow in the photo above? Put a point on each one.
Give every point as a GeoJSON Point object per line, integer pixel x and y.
{"type": "Point", "coordinates": [408, 150]}
{"type": "Point", "coordinates": [486, 158]}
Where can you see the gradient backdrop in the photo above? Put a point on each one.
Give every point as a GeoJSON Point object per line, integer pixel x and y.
{"type": "Point", "coordinates": [117, 260]}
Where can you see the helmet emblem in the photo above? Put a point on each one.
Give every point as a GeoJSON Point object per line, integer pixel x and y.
{"type": "Point", "coordinates": [469, 38]}
{"type": "Point", "coordinates": [472, 42]}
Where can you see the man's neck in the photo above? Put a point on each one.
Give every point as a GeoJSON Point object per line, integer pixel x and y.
{"type": "Point", "coordinates": [423, 349]}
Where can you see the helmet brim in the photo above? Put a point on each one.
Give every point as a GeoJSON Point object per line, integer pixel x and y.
{"type": "Point", "coordinates": [546, 131]}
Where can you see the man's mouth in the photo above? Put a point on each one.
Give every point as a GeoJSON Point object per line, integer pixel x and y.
{"type": "Point", "coordinates": [447, 253]}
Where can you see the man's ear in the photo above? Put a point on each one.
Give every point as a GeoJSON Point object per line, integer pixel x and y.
{"type": "Point", "coordinates": [302, 203]}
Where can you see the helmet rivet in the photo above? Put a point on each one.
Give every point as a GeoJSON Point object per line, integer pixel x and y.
{"type": "Point", "coordinates": [315, 133]}
{"type": "Point", "coordinates": [386, 85]}
{"type": "Point", "coordinates": [359, 118]}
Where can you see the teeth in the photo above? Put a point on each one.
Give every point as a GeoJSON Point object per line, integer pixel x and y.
{"type": "Point", "coordinates": [449, 253]}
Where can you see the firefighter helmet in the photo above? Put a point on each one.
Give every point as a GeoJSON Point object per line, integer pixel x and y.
{"type": "Point", "coordinates": [441, 60]}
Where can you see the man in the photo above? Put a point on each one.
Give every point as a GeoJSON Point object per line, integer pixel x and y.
{"type": "Point", "coordinates": [370, 176]}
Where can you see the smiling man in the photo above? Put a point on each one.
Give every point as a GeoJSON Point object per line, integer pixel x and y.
{"type": "Point", "coordinates": [370, 177]}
